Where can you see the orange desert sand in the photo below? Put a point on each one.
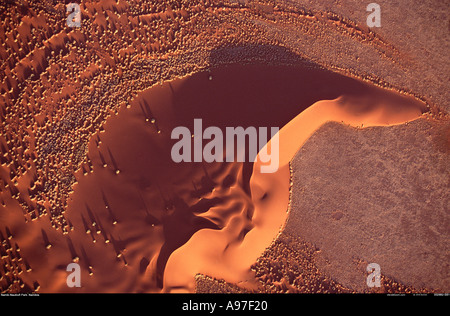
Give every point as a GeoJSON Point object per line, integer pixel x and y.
{"type": "Point", "coordinates": [87, 176]}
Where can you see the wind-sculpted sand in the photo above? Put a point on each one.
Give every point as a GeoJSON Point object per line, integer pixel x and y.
{"type": "Point", "coordinates": [86, 121]}
{"type": "Point", "coordinates": [143, 222]}
{"type": "Point", "coordinates": [226, 257]}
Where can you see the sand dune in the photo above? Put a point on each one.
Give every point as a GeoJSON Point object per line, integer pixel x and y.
{"type": "Point", "coordinates": [230, 259]}
{"type": "Point", "coordinates": [86, 116]}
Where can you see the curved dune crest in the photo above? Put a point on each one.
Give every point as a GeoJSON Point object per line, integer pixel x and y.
{"type": "Point", "coordinates": [225, 257]}
{"type": "Point", "coordinates": [140, 222]}
{"type": "Point", "coordinates": [86, 113]}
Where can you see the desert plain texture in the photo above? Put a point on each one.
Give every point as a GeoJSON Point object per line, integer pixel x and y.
{"type": "Point", "coordinates": [85, 137]}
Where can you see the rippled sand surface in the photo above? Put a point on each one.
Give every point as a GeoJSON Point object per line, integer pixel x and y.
{"type": "Point", "coordinates": [86, 171]}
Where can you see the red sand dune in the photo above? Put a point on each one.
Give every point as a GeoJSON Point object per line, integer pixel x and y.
{"type": "Point", "coordinates": [142, 223]}
{"type": "Point", "coordinates": [205, 214]}
{"type": "Point", "coordinates": [136, 221]}
{"type": "Point", "coordinates": [225, 254]}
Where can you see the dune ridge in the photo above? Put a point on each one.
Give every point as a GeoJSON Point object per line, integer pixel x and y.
{"type": "Point", "coordinates": [270, 192]}
{"type": "Point", "coordinates": [138, 222]}
{"type": "Point", "coordinates": [61, 87]}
